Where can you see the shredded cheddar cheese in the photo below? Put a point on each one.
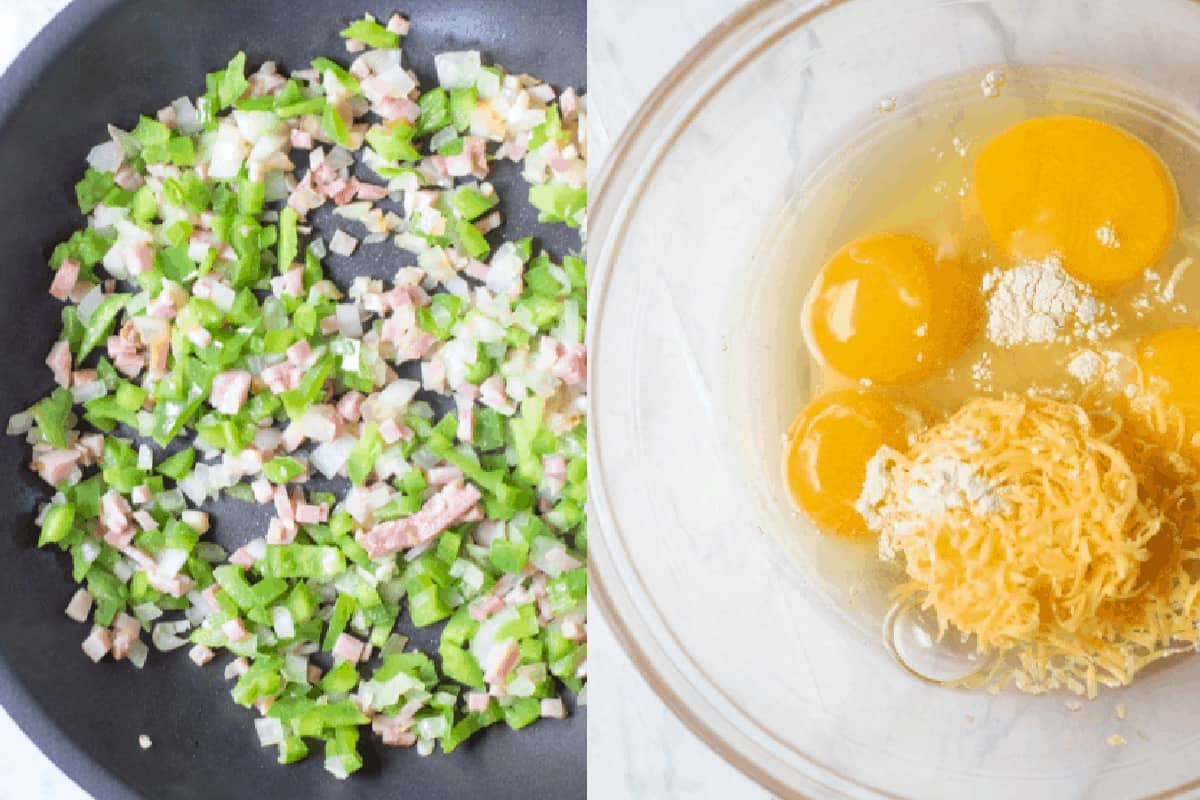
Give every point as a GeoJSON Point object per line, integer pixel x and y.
{"type": "Point", "coordinates": [1083, 573]}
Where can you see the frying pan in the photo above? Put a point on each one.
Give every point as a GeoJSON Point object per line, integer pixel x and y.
{"type": "Point", "coordinates": [104, 61]}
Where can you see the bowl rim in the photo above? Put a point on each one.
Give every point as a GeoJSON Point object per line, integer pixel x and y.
{"type": "Point", "coordinates": [670, 106]}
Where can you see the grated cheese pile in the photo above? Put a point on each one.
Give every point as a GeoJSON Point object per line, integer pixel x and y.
{"type": "Point", "coordinates": [1057, 538]}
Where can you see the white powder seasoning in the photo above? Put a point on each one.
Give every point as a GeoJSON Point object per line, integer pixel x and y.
{"type": "Point", "coordinates": [1038, 302]}
{"type": "Point", "coordinates": [1085, 366]}
{"type": "Point", "coordinates": [925, 490]}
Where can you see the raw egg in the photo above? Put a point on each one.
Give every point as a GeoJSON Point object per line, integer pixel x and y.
{"type": "Point", "coordinates": [1171, 358]}
{"type": "Point", "coordinates": [1082, 190]}
{"type": "Point", "coordinates": [885, 309]}
{"type": "Point", "coordinates": [828, 447]}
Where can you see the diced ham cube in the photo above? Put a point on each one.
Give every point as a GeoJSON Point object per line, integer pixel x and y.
{"type": "Point", "coordinates": [200, 655]}
{"type": "Point", "coordinates": [98, 643]}
{"type": "Point", "coordinates": [283, 504]}
{"type": "Point", "coordinates": [65, 279]}
{"type": "Point", "coordinates": [229, 390]}
{"type": "Point", "coordinates": [439, 512]}
{"type": "Point", "coordinates": [301, 140]}
{"type": "Point", "coordinates": [350, 406]}
{"type": "Point", "coordinates": [348, 648]}
{"type": "Point", "coordinates": [59, 361]}
{"type": "Point", "coordinates": [235, 631]}
{"type": "Point", "coordinates": [299, 352]}
{"type": "Point", "coordinates": [80, 606]}
{"type": "Point", "coordinates": [56, 466]}
{"type": "Point", "coordinates": [308, 514]}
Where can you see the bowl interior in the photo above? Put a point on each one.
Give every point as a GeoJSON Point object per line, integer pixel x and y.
{"type": "Point", "coordinates": [696, 369]}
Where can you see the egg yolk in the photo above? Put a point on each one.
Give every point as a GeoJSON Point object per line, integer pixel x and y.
{"type": "Point", "coordinates": [1172, 358]}
{"type": "Point", "coordinates": [1088, 192]}
{"type": "Point", "coordinates": [885, 309]}
{"type": "Point", "coordinates": [828, 447]}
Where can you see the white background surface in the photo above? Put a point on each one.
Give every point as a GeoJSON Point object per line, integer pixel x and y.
{"type": "Point", "coordinates": [637, 749]}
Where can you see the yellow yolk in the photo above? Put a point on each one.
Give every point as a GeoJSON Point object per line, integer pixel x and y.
{"type": "Point", "coordinates": [828, 447]}
{"type": "Point", "coordinates": [885, 309]}
{"type": "Point", "coordinates": [1171, 358]}
{"type": "Point", "coordinates": [1088, 192]}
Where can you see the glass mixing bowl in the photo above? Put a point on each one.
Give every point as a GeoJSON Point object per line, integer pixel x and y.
{"type": "Point", "coordinates": [693, 558]}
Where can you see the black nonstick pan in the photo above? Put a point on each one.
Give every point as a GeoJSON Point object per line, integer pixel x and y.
{"type": "Point", "coordinates": [104, 61]}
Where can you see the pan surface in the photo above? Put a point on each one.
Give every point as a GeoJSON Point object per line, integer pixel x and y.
{"type": "Point", "coordinates": [104, 61]}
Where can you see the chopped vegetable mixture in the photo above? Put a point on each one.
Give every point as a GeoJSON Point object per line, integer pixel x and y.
{"type": "Point", "coordinates": [205, 354]}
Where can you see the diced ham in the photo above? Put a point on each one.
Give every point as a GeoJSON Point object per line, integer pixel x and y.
{"type": "Point", "coordinates": [235, 631]}
{"type": "Point", "coordinates": [393, 732]}
{"type": "Point", "coordinates": [478, 701]}
{"type": "Point", "coordinates": [59, 361]}
{"type": "Point", "coordinates": [98, 643]}
{"type": "Point", "coordinates": [502, 660]}
{"type": "Point", "coordinates": [229, 390]}
{"type": "Point", "coordinates": [242, 557]}
{"type": "Point", "coordinates": [80, 606]}
{"type": "Point", "coordinates": [553, 708]}
{"type": "Point", "coordinates": [485, 607]}
{"type": "Point", "coordinates": [301, 140]}
{"type": "Point", "coordinates": [348, 648]}
{"type": "Point", "coordinates": [492, 395]}
{"type": "Point", "coordinates": [283, 504]}
{"type": "Point", "coordinates": [555, 466]}
{"type": "Point", "coordinates": [126, 630]}
{"type": "Point", "coordinates": [92, 445]}
{"type": "Point", "coordinates": [439, 512]}
{"type": "Point", "coordinates": [350, 406]}
{"type": "Point", "coordinates": [55, 466]}
{"type": "Point", "coordinates": [174, 585]}
{"type": "Point", "coordinates": [65, 279]}
{"type": "Point", "coordinates": [120, 538]}
{"type": "Point", "coordinates": [162, 307]}
{"type": "Point", "coordinates": [389, 431]}
{"type": "Point", "coordinates": [441, 476]}
{"type": "Point", "coordinates": [370, 191]}
{"type": "Point", "coordinates": [210, 596]}
{"type": "Point", "coordinates": [308, 514]}
{"type": "Point", "coordinates": [140, 258]}
{"type": "Point", "coordinates": [571, 366]}
{"type": "Point", "coordinates": [281, 377]}
{"type": "Point", "coordinates": [290, 283]}
{"type": "Point", "coordinates": [200, 655]}
{"type": "Point", "coordinates": [299, 353]}
{"type": "Point", "coordinates": [398, 24]}
{"type": "Point", "coordinates": [281, 531]}
{"type": "Point", "coordinates": [128, 178]}
{"type": "Point", "coordinates": [393, 108]}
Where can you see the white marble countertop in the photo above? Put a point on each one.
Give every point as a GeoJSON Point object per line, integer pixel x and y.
{"type": "Point", "coordinates": [636, 746]}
